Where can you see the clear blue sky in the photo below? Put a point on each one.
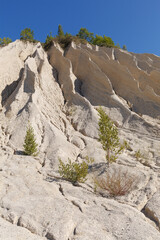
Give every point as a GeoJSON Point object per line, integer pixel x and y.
{"type": "Point", "coordinates": [134, 23]}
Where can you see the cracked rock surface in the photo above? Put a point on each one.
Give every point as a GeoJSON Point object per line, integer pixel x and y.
{"type": "Point", "coordinates": [55, 209]}
{"type": "Point", "coordinates": [58, 92]}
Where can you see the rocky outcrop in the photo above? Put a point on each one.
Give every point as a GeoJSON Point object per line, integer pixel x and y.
{"type": "Point", "coordinates": [12, 64]}
{"type": "Point", "coordinates": [58, 92]}
{"type": "Point", "coordinates": [138, 74]}
{"type": "Point", "coordinates": [151, 209]}
{"type": "Point", "coordinates": [55, 209]}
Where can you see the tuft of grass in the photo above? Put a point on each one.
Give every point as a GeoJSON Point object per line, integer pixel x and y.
{"type": "Point", "coordinates": [116, 182]}
{"type": "Point", "coordinates": [71, 110]}
{"type": "Point", "coordinates": [143, 158]}
{"type": "Point", "coordinates": [138, 155]}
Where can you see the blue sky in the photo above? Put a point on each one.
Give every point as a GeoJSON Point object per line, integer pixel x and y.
{"type": "Point", "coordinates": [134, 23]}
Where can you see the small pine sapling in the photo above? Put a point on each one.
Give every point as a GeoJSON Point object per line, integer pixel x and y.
{"type": "Point", "coordinates": [108, 136]}
{"type": "Point", "coordinates": [30, 145]}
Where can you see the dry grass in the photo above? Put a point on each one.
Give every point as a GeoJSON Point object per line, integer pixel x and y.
{"type": "Point", "coordinates": [143, 158]}
{"type": "Point", "coordinates": [116, 182]}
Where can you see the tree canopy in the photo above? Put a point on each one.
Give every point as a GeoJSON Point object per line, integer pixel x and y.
{"type": "Point", "coordinates": [60, 31]}
{"type": "Point", "coordinates": [85, 34]}
{"type": "Point", "coordinates": [64, 39]}
{"type": "Point", "coordinates": [124, 47]}
{"type": "Point", "coordinates": [27, 34]}
{"type": "Point", "coordinates": [5, 41]}
{"type": "Point", "coordinates": [103, 41]}
{"type": "Point", "coordinates": [49, 38]}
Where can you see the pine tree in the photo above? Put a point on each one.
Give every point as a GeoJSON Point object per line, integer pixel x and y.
{"type": "Point", "coordinates": [30, 145]}
{"type": "Point", "coordinates": [124, 47]}
{"type": "Point", "coordinates": [108, 136]}
{"type": "Point", "coordinates": [49, 38]}
{"type": "Point", "coordinates": [27, 34]}
{"type": "Point", "coordinates": [85, 34]}
{"type": "Point", "coordinates": [4, 41]}
{"type": "Point", "coordinates": [60, 31]}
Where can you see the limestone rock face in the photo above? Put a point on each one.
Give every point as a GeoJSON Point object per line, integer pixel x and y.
{"type": "Point", "coordinates": [10, 231]}
{"type": "Point", "coordinates": [133, 77]}
{"type": "Point", "coordinates": [57, 210]}
{"type": "Point", "coordinates": [12, 63]}
{"type": "Point", "coordinates": [58, 93]}
{"type": "Point", "coordinates": [152, 208]}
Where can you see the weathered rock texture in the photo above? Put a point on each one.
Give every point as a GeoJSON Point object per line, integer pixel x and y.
{"type": "Point", "coordinates": [58, 92]}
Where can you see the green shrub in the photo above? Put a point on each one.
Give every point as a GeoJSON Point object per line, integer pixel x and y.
{"type": "Point", "coordinates": [85, 34]}
{"type": "Point", "coordinates": [138, 155]}
{"type": "Point", "coordinates": [27, 35]}
{"type": "Point", "coordinates": [143, 158]}
{"type": "Point", "coordinates": [49, 38]}
{"type": "Point", "coordinates": [4, 41]}
{"type": "Point", "coordinates": [74, 171]}
{"type": "Point", "coordinates": [64, 40]}
{"type": "Point", "coordinates": [30, 145]}
{"type": "Point", "coordinates": [103, 41]}
{"type": "Point", "coordinates": [48, 42]}
{"type": "Point", "coordinates": [124, 47]}
{"type": "Point", "coordinates": [127, 146]}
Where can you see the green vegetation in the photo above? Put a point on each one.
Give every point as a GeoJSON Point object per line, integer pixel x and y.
{"type": "Point", "coordinates": [30, 145]}
{"type": "Point", "coordinates": [48, 41]}
{"type": "Point", "coordinates": [108, 136]}
{"type": "Point", "coordinates": [127, 146]}
{"type": "Point", "coordinates": [103, 41]}
{"type": "Point", "coordinates": [124, 47]}
{"type": "Point", "coordinates": [74, 171]}
{"type": "Point", "coordinates": [97, 40]}
{"type": "Point", "coordinates": [27, 35]}
{"type": "Point", "coordinates": [138, 155]}
{"type": "Point", "coordinates": [49, 38]}
{"type": "Point", "coordinates": [118, 46]}
{"type": "Point", "coordinates": [4, 41]}
{"type": "Point", "coordinates": [65, 39]}
{"type": "Point", "coordinates": [85, 34]}
{"type": "Point", "coordinates": [143, 158]}
{"type": "Point", "coordinates": [60, 31]}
